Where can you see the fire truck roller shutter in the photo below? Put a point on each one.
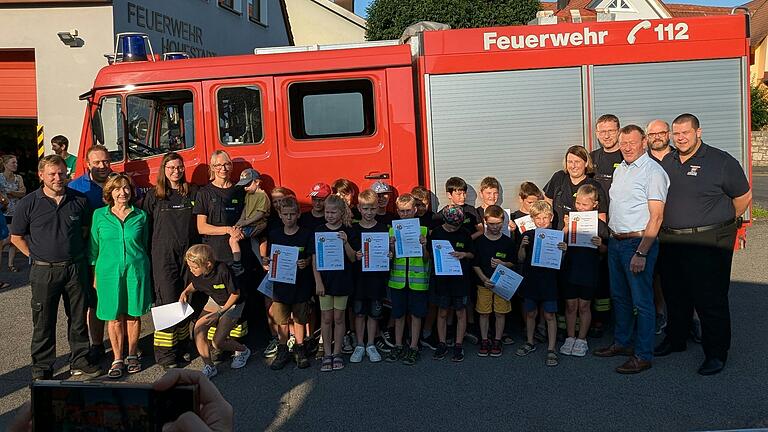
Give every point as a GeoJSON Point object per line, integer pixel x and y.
{"type": "Point", "coordinates": [514, 125]}
{"type": "Point", "coordinates": [713, 90]}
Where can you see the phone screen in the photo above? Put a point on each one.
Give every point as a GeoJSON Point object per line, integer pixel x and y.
{"type": "Point", "coordinates": [68, 406]}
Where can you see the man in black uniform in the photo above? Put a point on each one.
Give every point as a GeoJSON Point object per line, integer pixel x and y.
{"type": "Point", "coordinates": [708, 192]}
{"type": "Point", "coordinates": [604, 160]}
{"type": "Point", "coordinates": [50, 227]}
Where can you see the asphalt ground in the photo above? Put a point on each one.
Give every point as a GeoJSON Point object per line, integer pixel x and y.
{"type": "Point", "coordinates": [503, 393]}
{"type": "Point", "coordinates": [760, 186]}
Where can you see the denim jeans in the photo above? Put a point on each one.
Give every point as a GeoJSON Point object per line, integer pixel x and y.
{"type": "Point", "coordinates": [630, 291]}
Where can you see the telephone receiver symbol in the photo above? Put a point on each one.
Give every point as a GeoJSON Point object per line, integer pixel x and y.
{"type": "Point", "coordinates": [641, 25]}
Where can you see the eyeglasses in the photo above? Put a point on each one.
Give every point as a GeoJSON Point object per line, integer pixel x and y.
{"type": "Point", "coordinates": [227, 165]}
{"type": "Point", "coordinates": [607, 132]}
{"type": "Point", "coordinates": [658, 134]}
{"type": "Point", "coordinates": [175, 168]}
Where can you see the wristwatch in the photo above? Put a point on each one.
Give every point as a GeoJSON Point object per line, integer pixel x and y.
{"type": "Point", "coordinates": [640, 254]}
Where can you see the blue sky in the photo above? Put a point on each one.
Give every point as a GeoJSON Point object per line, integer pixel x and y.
{"type": "Point", "coordinates": [360, 5]}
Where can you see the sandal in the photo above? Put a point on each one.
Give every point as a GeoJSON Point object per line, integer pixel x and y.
{"type": "Point", "coordinates": [133, 364]}
{"type": "Point", "coordinates": [327, 365]}
{"type": "Point", "coordinates": [552, 359]}
{"type": "Point", "coordinates": [116, 369]}
{"type": "Point", "coordinates": [338, 362]}
{"type": "Point", "coordinates": [525, 349]}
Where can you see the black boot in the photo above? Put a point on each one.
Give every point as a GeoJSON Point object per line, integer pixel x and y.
{"type": "Point", "coordinates": [281, 358]}
{"type": "Point", "coordinates": [302, 359]}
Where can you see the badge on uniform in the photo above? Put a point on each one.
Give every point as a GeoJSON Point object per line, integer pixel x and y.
{"type": "Point", "coordinates": [694, 170]}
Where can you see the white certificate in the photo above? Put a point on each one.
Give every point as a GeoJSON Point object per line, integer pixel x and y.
{"type": "Point", "coordinates": [407, 233]}
{"type": "Point", "coordinates": [282, 263]}
{"type": "Point", "coordinates": [171, 314]}
{"type": "Point", "coordinates": [445, 263]}
{"type": "Point", "coordinates": [505, 282]}
{"type": "Point", "coordinates": [525, 223]}
{"type": "Point", "coordinates": [375, 249]}
{"type": "Point", "coordinates": [582, 226]}
{"type": "Point", "coordinates": [545, 251]}
{"type": "Point", "coordinates": [329, 251]}
{"type": "Point", "coordinates": [265, 287]}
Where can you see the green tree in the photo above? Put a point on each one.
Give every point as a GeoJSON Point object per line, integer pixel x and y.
{"type": "Point", "coordinates": [759, 102]}
{"type": "Point", "coordinates": [388, 18]}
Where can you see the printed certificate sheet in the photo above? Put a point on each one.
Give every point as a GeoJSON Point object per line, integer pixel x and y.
{"type": "Point", "coordinates": [282, 264]}
{"type": "Point", "coordinates": [171, 314]}
{"type": "Point", "coordinates": [582, 226]}
{"type": "Point", "coordinates": [407, 233]}
{"type": "Point", "coordinates": [329, 251]}
{"type": "Point", "coordinates": [375, 251]}
{"type": "Point", "coordinates": [265, 287]}
{"type": "Point", "coordinates": [545, 251]}
{"type": "Point", "coordinates": [445, 263]}
{"type": "Point", "coordinates": [505, 282]}
{"type": "Point", "coordinates": [525, 223]}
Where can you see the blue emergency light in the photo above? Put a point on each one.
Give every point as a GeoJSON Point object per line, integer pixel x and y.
{"type": "Point", "coordinates": [132, 47]}
{"type": "Point", "coordinates": [175, 55]}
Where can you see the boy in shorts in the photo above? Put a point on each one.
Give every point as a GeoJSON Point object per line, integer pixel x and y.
{"type": "Point", "coordinates": [492, 249]}
{"type": "Point", "coordinates": [292, 301]}
{"type": "Point", "coordinates": [253, 220]}
{"type": "Point", "coordinates": [223, 310]}
{"type": "Point", "coordinates": [409, 286]}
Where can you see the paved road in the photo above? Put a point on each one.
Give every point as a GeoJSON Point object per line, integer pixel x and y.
{"type": "Point", "coordinates": [481, 393]}
{"type": "Point", "coordinates": [760, 186]}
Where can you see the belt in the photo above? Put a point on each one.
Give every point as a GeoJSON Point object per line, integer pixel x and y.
{"type": "Point", "coordinates": [695, 230]}
{"type": "Point", "coordinates": [51, 264]}
{"type": "Point", "coordinates": [627, 235]}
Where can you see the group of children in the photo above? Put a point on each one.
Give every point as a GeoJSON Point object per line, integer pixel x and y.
{"type": "Point", "coordinates": [380, 305]}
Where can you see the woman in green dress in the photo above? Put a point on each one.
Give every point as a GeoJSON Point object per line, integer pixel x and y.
{"type": "Point", "coordinates": [119, 252]}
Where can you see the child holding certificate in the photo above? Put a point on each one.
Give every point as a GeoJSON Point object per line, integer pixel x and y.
{"type": "Point", "coordinates": [582, 274]}
{"type": "Point", "coordinates": [529, 194]}
{"type": "Point", "coordinates": [539, 287]}
{"type": "Point", "coordinates": [492, 249]}
{"type": "Point", "coordinates": [292, 301]}
{"type": "Point", "coordinates": [452, 292]}
{"type": "Point", "coordinates": [409, 286]}
{"type": "Point", "coordinates": [334, 287]}
{"type": "Point", "coordinates": [370, 286]}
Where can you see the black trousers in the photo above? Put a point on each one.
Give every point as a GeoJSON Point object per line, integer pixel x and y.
{"type": "Point", "coordinates": [697, 273]}
{"type": "Point", "coordinates": [49, 284]}
{"type": "Point", "coordinates": [168, 269]}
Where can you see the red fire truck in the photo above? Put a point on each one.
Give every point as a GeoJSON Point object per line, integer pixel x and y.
{"type": "Point", "coordinates": [503, 101]}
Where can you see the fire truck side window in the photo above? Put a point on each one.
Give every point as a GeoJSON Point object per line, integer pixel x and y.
{"type": "Point", "coordinates": [159, 123]}
{"type": "Point", "coordinates": [240, 119]}
{"type": "Point", "coordinates": [108, 126]}
{"type": "Point", "coordinates": [332, 109]}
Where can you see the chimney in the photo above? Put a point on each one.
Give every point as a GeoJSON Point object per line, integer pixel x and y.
{"type": "Point", "coordinates": [562, 4]}
{"type": "Point", "coordinates": [543, 18]}
{"type": "Point", "coordinates": [346, 4]}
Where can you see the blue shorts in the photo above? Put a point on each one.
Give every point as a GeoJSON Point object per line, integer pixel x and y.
{"type": "Point", "coordinates": [370, 308]}
{"type": "Point", "coordinates": [408, 301]}
{"type": "Point", "coordinates": [450, 302]}
{"type": "Point", "coordinates": [549, 306]}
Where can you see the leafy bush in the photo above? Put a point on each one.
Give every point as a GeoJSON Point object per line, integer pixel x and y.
{"type": "Point", "coordinates": [759, 97]}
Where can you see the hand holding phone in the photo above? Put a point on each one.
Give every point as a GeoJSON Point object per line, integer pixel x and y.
{"type": "Point", "coordinates": [214, 412]}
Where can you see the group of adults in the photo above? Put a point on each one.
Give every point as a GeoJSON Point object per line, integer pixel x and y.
{"type": "Point", "coordinates": [672, 212]}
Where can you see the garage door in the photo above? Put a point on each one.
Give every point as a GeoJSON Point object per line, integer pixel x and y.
{"type": "Point", "coordinates": [18, 91]}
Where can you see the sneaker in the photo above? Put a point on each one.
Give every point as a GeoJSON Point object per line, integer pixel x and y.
{"type": "Point", "coordinates": [209, 371]}
{"type": "Point", "coordinates": [291, 342]}
{"type": "Point", "coordinates": [496, 348]}
{"type": "Point", "coordinates": [271, 349]}
{"type": "Point", "coordinates": [441, 351]}
{"type": "Point", "coordinates": [485, 348]}
{"type": "Point", "coordinates": [395, 355]}
{"type": "Point", "coordinates": [458, 353]}
{"type": "Point", "coordinates": [302, 357]}
{"type": "Point", "coordinates": [525, 349]}
{"type": "Point", "coordinates": [567, 348]}
{"type": "Point", "coordinates": [388, 337]}
{"type": "Point", "coordinates": [507, 340]}
{"type": "Point", "coordinates": [348, 343]}
{"type": "Point", "coordinates": [580, 348]}
{"type": "Point", "coordinates": [281, 358]}
{"type": "Point", "coordinates": [471, 337]}
{"type": "Point", "coordinates": [373, 354]}
{"type": "Point", "coordinates": [410, 357]}
{"type": "Point", "coordinates": [87, 370]}
{"type": "Point", "coordinates": [430, 342]}
{"type": "Point", "coordinates": [661, 323]}
{"type": "Point", "coordinates": [381, 345]}
{"type": "Point", "coordinates": [241, 358]}
{"type": "Point", "coordinates": [696, 331]}
{"type": "Point", "coordinates": [357, 355]}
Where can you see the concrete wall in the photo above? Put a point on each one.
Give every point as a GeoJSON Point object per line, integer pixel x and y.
{"type": "Point", "coordinates": [62, 73]}
{"type": "Point", "coordinates": [322, 22]}
{"type": "Point", "coordinates": [760, 149]}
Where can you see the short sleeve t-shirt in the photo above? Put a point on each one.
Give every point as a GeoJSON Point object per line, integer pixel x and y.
{"type": "Point", "coordinates": [539, 283]}
{"type": "Point", "coordinates": [368, 285]}
{"type": "Point", "coordinates": [428, 220]}
{"type": "Point", "coordinates": [604, 164]}
{"type": "Point", "coordinates": [454, 286]}
{"type": "Point", "coordinates": [310, 221]}
{"type": "Point", "coordinates": [502, 249]}
{"type": "Point", "coordinates": [304, 288]}
{"type": "Point", "coordinates": [338, 282]}
{"type": "Point", "coordinates": [563, 195]}
{"type": "Point", "coordinates": [581, 265]}
{"type": "Point", "coordinates": [218, 284]}
{"type": "Point", "coordinates": [471, 219]}
{"type": "Point", "coordinates": [385, 218]}
{"type": "Point", "coordinates": [256, 202]}
{"type": "Point", "coordinates": [223, 207]}
{"type": "Point", "coordinates": [70, 161]}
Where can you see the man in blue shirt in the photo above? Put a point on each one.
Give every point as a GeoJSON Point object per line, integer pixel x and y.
{"type": "Point", "coordinates": [91, 184]}
{"type": "Point", "coordinates": [638, 194]}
